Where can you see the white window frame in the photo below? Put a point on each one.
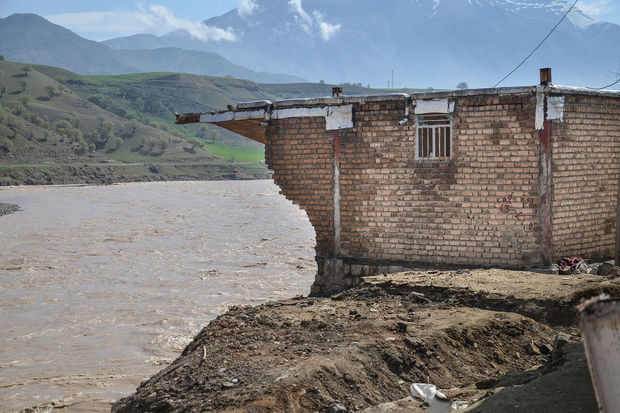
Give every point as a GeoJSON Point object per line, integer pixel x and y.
{"type": "Point", "coordinates": [434, 130]}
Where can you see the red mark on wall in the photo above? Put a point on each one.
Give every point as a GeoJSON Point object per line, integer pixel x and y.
{"type": "Point", "coordinates": [504, 204]}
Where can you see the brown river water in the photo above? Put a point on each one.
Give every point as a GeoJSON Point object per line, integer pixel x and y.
{"type": "Point", "coordinates": [102, 286]}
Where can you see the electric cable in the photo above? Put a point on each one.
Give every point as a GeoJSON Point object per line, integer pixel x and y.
{"type": "Point", "coordinates": [539, 44]}
{"type": "Point", "coordinates": [605, 87]}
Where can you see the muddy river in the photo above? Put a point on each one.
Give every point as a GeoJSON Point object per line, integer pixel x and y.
{"type": "Point", "coordinates": [101, 287]}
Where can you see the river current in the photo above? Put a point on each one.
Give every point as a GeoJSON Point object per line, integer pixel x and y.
{"type": "Point", "coordinates": [102, 286]}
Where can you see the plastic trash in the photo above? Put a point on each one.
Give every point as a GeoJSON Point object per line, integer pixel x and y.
{"type": "Point", "coordinates": [436, 400]}
{"type": "Point", "coordinates": [426, 392]}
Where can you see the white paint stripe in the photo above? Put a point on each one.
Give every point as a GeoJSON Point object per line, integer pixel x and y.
{"type": "Point", "coordinates": [540, 110]}
{"type": "Point", "coordinates": [555, 108]}
{"type": "Point", "coordinates": [433, 106]}
{"type": "Point", "coordinates": [336, 117]}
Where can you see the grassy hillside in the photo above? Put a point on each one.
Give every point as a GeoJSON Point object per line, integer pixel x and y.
{"type": "Point", "coordinates": [51, 116]}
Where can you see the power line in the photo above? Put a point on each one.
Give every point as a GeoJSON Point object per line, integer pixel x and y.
{"type": "Point", "coordinates": [539, 44]}
{"type": "Point", "coordinates": [605, 87]}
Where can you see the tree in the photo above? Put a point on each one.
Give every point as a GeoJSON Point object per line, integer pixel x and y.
{"type": "Point", "coordinates": [195, 142]}
{"type": "Point", "coordinates": [24, 100]}
{"type": "Point", "coordinates": [6, 145]}
{"type": "Point", "coordinates": [1, 57]}
{"type": "Point", "coordinates": [106, 131]}
{"type": "Point", "coordinates": [117, 142]}
{"type": "Point", "coordinates": [2, 90]}
{"type": "Point", "coordinates": [212, 134]}
{"type": "Point", "coordinates": [462, 85]}
{"type": "Point", "coordinates": [6, 132]}
{"type": "Point", "coordinates": [133, 126]}
{"type": "Point", "coordinates": [74, 119]}
{"type": "Point", "coordinates": [24, 84]}
{"type": "Point", "coordinates": [51, 90]}
{"type": "Point", "coordinates": [140, 104]}
{"type": "Point", "coordinates": [26, 69]}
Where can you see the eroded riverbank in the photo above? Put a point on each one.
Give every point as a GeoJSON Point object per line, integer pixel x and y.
{"type": "Point", "coordinates": [109, 173]}
{"type": "Point", "coordinates": [461, 330]}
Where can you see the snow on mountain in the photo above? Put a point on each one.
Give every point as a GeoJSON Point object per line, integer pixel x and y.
{"type": "Point", "coordinates": [435, 43]}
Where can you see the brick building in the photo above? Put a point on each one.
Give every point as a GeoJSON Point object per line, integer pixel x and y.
{"type": "Point", "coordinates": [507, 177]}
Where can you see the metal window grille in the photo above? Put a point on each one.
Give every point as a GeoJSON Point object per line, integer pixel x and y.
{"type": "Point", "coordinates": [434, 136]}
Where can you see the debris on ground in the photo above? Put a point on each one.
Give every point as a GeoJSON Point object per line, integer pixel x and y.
{"type": "Point", "coordinates": [481, 336]}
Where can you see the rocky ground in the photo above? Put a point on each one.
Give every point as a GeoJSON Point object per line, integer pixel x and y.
{"type": "Point", "coordinates": [6, 209]}
{"type": "Point", "coordinates": [499, 340]}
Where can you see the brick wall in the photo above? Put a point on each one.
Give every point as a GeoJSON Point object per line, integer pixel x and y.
{"type": "Point", "coordinates": [299, 151]}
{"type": "Point", "coordinates": [586, 163]}
{"type": "Point", "coordinates": [478, 208]}
{"type": "Point", "coordinates": [481, 207]}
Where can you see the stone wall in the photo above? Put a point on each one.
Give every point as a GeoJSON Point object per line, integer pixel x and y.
{"type": "Point", "coordinates": [586, 164]}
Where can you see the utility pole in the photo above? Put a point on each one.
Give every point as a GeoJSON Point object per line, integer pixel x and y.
{"type": "Point", "coordinates": [392, 78]}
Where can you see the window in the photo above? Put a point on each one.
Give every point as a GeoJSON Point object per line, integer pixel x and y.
{"type": "Point", "coordinates": [434, 132]}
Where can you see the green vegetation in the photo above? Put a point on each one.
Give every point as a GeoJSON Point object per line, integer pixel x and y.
{"type": "Point", "coordinates": [51, 116]}
{"type": "Point", "coordinates": [241, 154]}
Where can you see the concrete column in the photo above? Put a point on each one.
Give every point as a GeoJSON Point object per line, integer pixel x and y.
{"type": "Point", "coordinates": [336, 193]}
{"type": "Point", "coordinates": [545, 186]}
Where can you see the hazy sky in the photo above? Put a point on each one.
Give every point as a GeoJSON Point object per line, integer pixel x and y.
{"type": "Point", "coordinates": [114, 18]}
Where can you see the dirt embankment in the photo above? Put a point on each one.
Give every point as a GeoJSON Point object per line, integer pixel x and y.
{"type": "Point", "coordinates": [59, 174]}
{"type": "Point", "coordinates": [362, 348]}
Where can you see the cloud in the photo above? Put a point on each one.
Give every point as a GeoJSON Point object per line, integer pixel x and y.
{"type": "Point", "coordinates": [595, 8]}
{"type": "Point", "coordinates": [99, 22]}
{"type": "Point", "coordinates": [308, 22]}
{"type": "Point", "coordinates": [155, 19]}
{"type": "Point", "coordinates": [247, 8]}
{"type": "Point", "coordinates": [161, 16]}
{"type": "Point", "coordinates": [327, 30]}
{"type": "Point", "coordinates": [302, 18]}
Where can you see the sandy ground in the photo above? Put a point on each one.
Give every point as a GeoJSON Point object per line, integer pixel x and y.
{"type": "Point", "coordinates": [485, 337]}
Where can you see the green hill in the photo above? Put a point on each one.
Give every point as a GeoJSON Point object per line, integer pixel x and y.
{"type": "Point", "coordinates": [60, 127]}
{"type": "Point", "coordinates": [53, 117]}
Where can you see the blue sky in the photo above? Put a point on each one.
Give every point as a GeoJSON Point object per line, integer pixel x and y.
{"type": "Point", "coordinates": [115, 18]}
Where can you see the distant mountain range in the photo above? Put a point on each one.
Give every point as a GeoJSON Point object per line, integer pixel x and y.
{"type": "Point", "coordinates": [32, 39]}
{"type": "Point", "coordinates": [435, 43]}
